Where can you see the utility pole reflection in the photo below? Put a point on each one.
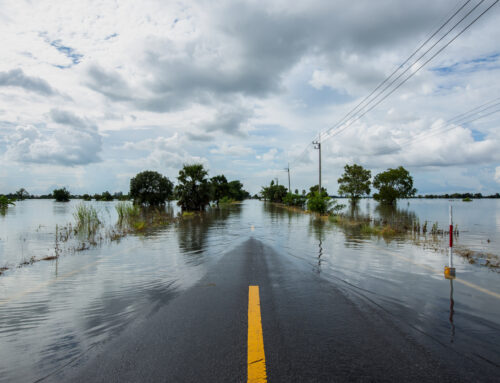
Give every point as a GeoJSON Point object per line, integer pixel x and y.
{"type": "Point", "coordinates": [452, 303]}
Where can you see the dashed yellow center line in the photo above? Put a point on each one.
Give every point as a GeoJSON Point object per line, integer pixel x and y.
{"type": "Point", "coordinates": [256, 357]}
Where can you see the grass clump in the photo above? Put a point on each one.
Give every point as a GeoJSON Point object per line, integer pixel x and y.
{"type": "Point", "coordinates": [128, 213]}
{"type": "Point", "coordinates": [87, 219]}
{"type": "Point", "coordinates": [227, 201]}
{"type": "Point", "coordinates": [467, 199]}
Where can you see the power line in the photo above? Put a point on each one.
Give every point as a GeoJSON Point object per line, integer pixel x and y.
{"type": "Point", "coordinates": [354, 110]}
{"type": "Point", "coordinates": [351, 118]}
{"type": "Point", "coordinates": [338, 131]}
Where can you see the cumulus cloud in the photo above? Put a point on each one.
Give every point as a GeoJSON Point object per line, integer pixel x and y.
{"type": "Point", "coordinates": [164, 152]}
{"type": "Point", "coordinates": [232, 150]}
{"type": "Point", "coordinates": [497, 174]}
{"type": "Point", "coordinates": [17, 78]}
{"type": "Point", "coordinates": [66, 140]}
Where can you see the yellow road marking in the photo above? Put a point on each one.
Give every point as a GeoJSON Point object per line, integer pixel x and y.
{"type": "Point", "coordinates": [466, 283]}
{"type": "Point", "coordinates": [256, 357]}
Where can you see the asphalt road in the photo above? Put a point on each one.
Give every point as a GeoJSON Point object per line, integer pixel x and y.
{"type": "Point", "coordinates": [314, 330]}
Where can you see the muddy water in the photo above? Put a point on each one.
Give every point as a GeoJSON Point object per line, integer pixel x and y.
{"type": "Point", "coordinates": [53, 312]}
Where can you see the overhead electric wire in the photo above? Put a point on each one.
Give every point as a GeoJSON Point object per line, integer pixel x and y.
{"type": "Point", "coordinates": [351, 116]}
{"type": "Point", "coordinates": [354, 110]}
{"type": "Point", "coordinates": [468, 117]}
{"type": "Point", "coordinates": [338, 131]}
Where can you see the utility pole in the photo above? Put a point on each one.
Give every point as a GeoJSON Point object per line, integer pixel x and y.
{"type": "Point", "coordinates": [317, 145]}
{"type": "Point", "coordinates": [287, 169]}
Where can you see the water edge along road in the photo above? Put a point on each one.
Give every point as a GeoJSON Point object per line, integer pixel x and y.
{"type": "Point", "coordinates": [314, 330]}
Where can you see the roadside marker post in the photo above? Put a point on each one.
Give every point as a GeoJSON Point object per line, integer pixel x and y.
{"type": "Point", "coordinates": [449, 271]}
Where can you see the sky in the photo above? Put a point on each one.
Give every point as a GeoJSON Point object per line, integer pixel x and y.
{"type": "Point", "coordinates": [93, 92]}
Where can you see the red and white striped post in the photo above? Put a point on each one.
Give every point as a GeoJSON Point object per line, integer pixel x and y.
{"type": "Point", "coordinates": [449, 271]}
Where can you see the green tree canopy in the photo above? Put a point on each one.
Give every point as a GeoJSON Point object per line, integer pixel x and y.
{"type": "Point", "coordinates": [150, 188]}
{"type": "Point", "coordinates": [314, 189]}
{"type": "Point", "coordinates": [236, 191]}
{"type": "Point", "coordinates": [219, 187]}
{"type": "Point", "coordinates": [22, 194]}
{"type": "Point", "coordinates": [355, 182]}
{"type": "Point", "coordinates": [393, 184]}
{"type": "Point", "coordinates": [193, 190]}
{"type": "Point", "coordinates": [274, 193]}
{"type": "Point", "coordinates": [61, 195]}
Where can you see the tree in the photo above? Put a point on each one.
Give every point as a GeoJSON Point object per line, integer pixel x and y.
{"type": "Point", "coordinates": [150, 188]}
{"type": "Point", "coordinates": [106, 196]}
{"type": "Point", "coordinates": [274, 193]}
{"type": "Point", "coordinates": [355, 182]}
{"type": "Point", "coordinates": [61, 195]}
{"type": "Point", "coordinates": [22, 194]}
{"type": "Point", "coordinates": [314, 189]}
{"type": "Point", "coordinates": [193, 190]}
{"type": "Point", "coordinates": [393, 184]}
{"type": "Point", "coordinates": [219, 188]}
{"type": "Point", "coordinates": [236, 191]}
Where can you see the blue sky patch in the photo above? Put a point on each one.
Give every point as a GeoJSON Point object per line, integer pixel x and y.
{"type": "Point", "coordinates": [68, 52]}
{"type": "Point", "coordinates": [488, 62]}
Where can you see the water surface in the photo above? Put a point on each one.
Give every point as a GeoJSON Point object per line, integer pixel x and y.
{"type": "Point", "coordinates": [53, 312]}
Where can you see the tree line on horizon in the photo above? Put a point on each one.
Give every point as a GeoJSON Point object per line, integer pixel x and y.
{"type": "Point", "coordinates": [194, 190]}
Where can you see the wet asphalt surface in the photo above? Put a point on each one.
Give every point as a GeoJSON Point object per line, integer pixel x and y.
{"type": "Point", "coordinates": [315, 330]}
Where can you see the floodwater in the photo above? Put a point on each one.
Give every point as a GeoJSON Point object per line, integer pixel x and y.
{"type": "Point", "coordinates": [53, 312]}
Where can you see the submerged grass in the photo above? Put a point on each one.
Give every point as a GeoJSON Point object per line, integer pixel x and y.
{"type": "Point", "coordinates": [87, 220]}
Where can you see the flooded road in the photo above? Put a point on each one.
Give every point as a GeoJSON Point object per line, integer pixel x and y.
{"type": "Point", "coordinates": [54, 313]}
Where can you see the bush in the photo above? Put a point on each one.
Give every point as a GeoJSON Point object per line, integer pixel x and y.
{"type": "Point", "coordinates": [61, 195]}
{"type": "Point", "coordinates": [323, 204]}
{"type": "Point", "coordinates": [274, 193]}
{"type": "Point", "coordinates": [294, 199]}
{"type": "Point", "coordinates": [5, 202]}
{"type": "Point", "coordinates": [150, 188]}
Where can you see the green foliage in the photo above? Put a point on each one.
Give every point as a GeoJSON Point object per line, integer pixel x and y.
{"type": "Point", "coordinates": [314, 190]}
{"type": "Point", "coordinates": [86, 197]}
{"type": "Point", "coordinates": [393, 184]}
{"type": "Point", "coordinates": [236, 191]}
{"type": "Point", "coordinates": [318, 203]}
{"type": "Point", "coordinates": [355, 182]}
{"type": "Point", "coordinates": [61, 195]}
{"type": "Point", "coordinates": [106, 196]}
{"type": "Point", "coordinates": [295, 199]}
{"type": "Point", "coordinates": [323, 204]}
{"type": "Point", "coordinates": [193, 191]}
{"type": "Point", "coordinates": [219, 188]}
{"type": "Point", "coordinates": [5, 202]}
{"type": "Point", "coordinates": [467, 199]}
{"type": "Point", "coordinates": [22, 194]}
{"type": "Point", "coordinates": [274, 193]}
{"type": "Point", "coordinates": [87, 219]}
{"type": "Point", "coordinates": [150, 188]}
{"type": "Point", "coordinates": [227, 200]}
{"type": "Point", "coordinates": [128, 213]}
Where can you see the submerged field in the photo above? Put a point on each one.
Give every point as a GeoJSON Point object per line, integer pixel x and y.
{"type": "Point", "coordinates": [55, 311]}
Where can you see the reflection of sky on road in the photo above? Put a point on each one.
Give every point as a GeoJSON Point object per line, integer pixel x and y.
{"type": "Point", "coordinates": [53, 312]}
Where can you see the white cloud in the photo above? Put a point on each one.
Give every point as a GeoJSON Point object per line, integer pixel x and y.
{"type": "Point", "coordinates": [165, 82]}
{"type": "Point", "coordinates": [232, 150]}
{"type": "Point", "coordinates": [68, 140]}
{"type": "Point", "coordinates": [497, 174]}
